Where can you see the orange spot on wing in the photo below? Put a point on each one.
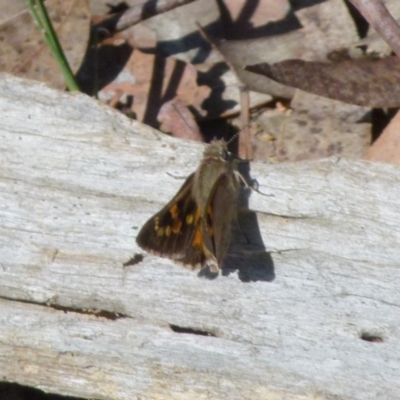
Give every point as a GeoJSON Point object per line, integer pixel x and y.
{"type": "Point", "coordinates": [174, 211]}
{"type": "Point", "coordinates": [198, 238]}
{"type": "Point", "coordinates": [176, 226]}
{"type": "Point", "coordinates": [193, 218]}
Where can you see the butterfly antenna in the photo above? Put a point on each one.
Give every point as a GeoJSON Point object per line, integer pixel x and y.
{"type": "Point", "coordinates": [241, 130]}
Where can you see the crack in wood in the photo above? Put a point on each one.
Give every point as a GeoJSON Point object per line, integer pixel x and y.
{"type": "Point", "coordinates": [191, 331]}
{"type": "Point", "coordinates": [113, 316]}
{"type": "Point", "coordinates": [371, 337]}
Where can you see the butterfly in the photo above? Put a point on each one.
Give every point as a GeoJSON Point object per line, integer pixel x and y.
{"type": "Point", "coordinates": [194, 228]}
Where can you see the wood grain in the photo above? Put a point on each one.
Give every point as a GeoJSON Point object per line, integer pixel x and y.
{"type": "Point", "coordinates": [77, 180]}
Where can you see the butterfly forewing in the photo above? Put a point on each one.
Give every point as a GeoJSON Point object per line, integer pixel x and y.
{"type": "Point", "coordinates": [175, 231]}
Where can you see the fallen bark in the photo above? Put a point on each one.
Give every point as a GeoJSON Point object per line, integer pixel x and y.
{"type": "Point", "coordinates": [78, 180]}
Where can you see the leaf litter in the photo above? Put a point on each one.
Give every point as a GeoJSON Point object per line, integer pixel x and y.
{"type": "Point", "coordinates": [162, 71]}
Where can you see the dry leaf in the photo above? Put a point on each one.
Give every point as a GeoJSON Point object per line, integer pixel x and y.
{"type": "Point", "coordinates": [314, 128]}
{"type": "Point", "coordinates": [175, 118]}
{"type": "Point", "coordinates": [151, 81]}
{"type": "Point", "coordinates": [245, 20]}
{"type": "Point", "coordinates": [24, 52]}
{"type": "Point", "coordinates": [178, 36]}
{"type": "Point", "coordinates": [369, 83]}
{"type": "Point", "coordinates": [373, 41]}
{"type": "Point", "coordinates": [10, 9]}
{"type": "Point", "coordinates": [325, 27]}
{"type": "Point", "coordinates": [387, 147]}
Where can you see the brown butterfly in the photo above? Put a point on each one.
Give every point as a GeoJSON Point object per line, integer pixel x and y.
{"type": "Point", "coordinates": [194, 228]}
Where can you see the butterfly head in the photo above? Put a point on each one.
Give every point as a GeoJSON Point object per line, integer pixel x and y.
{"type": "Point", "coordinates": [217, 150]}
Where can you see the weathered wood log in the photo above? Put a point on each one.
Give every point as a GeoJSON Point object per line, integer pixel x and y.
{"type": "Point", "coordinates": [77, 181]}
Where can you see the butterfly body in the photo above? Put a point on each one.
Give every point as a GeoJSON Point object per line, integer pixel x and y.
{"type": "Point", "coordinates": [194, 227]}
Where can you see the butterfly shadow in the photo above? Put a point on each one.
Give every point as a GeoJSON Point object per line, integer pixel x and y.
{"type": "Point", "coordinates": [247, 253]}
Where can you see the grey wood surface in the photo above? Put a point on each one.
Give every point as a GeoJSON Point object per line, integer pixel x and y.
{"type": "Point", "coordinates": [77, 180]}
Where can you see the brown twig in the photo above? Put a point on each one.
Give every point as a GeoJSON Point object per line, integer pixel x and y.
{"type": "Point", "coordinates": [245, 147]}
{"type": "Point", "coordinates": [376, 13]}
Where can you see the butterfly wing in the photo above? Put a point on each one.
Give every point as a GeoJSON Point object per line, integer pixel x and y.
{"type": "Point", "coordinates": [175, 232]}
{"type": "Point", "coordinates": [220, 212]}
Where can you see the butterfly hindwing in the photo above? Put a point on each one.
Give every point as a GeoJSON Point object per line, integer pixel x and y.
{"type": "Point", "coordinates": [222, 202]}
